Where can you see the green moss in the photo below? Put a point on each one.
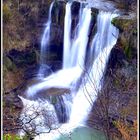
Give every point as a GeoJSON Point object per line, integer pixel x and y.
{"type": "Point", "coordinates": [124, 42]}
{"type": "Point", "coordinates": [11, 137]}
{"type": "Point", "coordinates": [6, 13]}
{"type": "Point", "coordinates": [125, 45]}
{"type": "Point", "coordinates": [116, 82]}
{"type": "Point", "coordinates": [15, 137]}
{"type": "Point", "coordinates": [122, 24]}
{"type": "Point", "coordinates": [8, 64]}
{"type": "Point", "coordinates": [27, 137]}
{"type": "Point", "coordinates": [114, 20]}
{"type": "Point", "coordinates": [128, 52]}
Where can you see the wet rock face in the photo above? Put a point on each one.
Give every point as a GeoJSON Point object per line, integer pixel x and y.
{"type": "Point", "coordinates": [58, 13]}
{"type": "Point", "coordinates": [75, 8]}
{"type": "Point", "coordinates": [125, 50]}
{"type": "Point", "coordinates": [116, 58]}
{"type": "Point", "coordinates": [56, 41]}
{"type": "Point", "coordinates": [61, 110]}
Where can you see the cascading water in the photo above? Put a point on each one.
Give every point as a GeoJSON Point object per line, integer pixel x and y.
{"type": "Point", "coordinates": [80, 41]}
{"type": "Point", "coordinates": [74, 50]}
{"type": "Point", "coordinates": [88, 91]}
{"type": "Point", "coordinates": [67, 39]}
{"type": "Point", "coordinates": [79, 103]}
{"type": "Point", "coordinates": [44, 45]}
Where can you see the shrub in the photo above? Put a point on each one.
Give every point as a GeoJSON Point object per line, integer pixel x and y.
{"type": "Point", "coordinates": [11, 137]}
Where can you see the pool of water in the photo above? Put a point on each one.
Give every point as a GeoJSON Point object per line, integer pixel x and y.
{"type": "Point", "coordinates": [83, 133]}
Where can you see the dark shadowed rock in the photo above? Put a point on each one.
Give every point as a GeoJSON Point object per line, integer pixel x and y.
{"type": "Point", "coordinates": [22, 58]}
{"type": "Point", "coordinates": [12, 99]}
{"type": "Point", "coordinates": [116, 57]}
{"type": "Point", "coordinates": [61, 110]}
{"type": "Point", "coordinates": [75, 8]}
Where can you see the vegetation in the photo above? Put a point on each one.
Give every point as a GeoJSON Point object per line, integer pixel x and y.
{"type": "Point", "coordinates": [11, 137]}
{"type": "Point", "coordinates": [115, 110]}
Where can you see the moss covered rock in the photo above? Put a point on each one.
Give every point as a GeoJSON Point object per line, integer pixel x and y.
{"type": "Point", "coordinates": [124, 23]}
{"type": "Point", "coordinates": [127, 40]}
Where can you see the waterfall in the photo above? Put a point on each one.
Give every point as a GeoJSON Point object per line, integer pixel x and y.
{"type": "Point", "coordinates": [78, 104]}
{"type": "Point", "coordinates": [75, 49]}
{"type": "Point", "coordinates": [80, 41]}
{"type": "Point", "coordinates": [44, 44]}
{"type": "Point", "coordinates": [102, 44]}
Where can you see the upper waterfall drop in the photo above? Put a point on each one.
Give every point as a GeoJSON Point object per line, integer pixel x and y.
{"type": "Point", "coordinates": [78, 50]}
{"type": "Point", "coordinates": [45, 44]}
{"type": "Point", "coordinates": [67, 36]}
{"type": "Point", "coordinates": [75, 48]}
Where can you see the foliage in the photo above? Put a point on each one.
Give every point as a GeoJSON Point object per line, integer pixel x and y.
{"type": "Point", "coordinates": [14, 137]}
{"type": "Point", "coordinates": [128, 132]}
{"type": "Point", "coordinates": [11, 137]}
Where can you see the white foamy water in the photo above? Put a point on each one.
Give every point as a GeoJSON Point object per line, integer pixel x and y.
{"type": "Point", "coordinates": [37, 115]}
{"type": "Point", "coordinates": [61, 79]}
